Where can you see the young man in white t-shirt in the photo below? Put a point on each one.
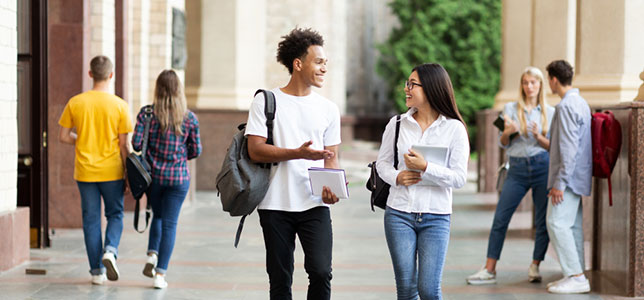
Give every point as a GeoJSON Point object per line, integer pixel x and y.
{"type": "Point", "coordinates": [306, 134]}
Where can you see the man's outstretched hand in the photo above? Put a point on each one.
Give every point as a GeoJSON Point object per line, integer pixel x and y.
{"type": "Point", "coordinates": [309, 153]}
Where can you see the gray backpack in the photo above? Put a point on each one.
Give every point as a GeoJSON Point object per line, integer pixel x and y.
{"type": "Point", "coordinates": [241, 183]}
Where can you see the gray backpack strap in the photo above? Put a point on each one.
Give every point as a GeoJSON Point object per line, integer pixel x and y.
{"type": "Point", "coordinates": [269, 112]}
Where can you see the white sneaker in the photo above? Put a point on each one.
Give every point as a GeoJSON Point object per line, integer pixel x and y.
{"type": "Point", "coordinates": [109, 261]}
{"type": "Point", "coordinates": [570, 286]}
{"type": "Point", "coordinates": [555, 282]}
{"type": "Point", "coordinates": [150, 264]}
{"type": "Point", "coordinates": [481, 277]}
{"type": "Point", "coordinates": [159, 282]}
{"type": "Point", "coordinates": [533, 273]}
{"type": "Point", "coordinates": [98, 279]}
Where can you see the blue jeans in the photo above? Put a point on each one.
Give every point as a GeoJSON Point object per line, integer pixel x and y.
{"type": "Point", "coordinates": [91, 192]}
{"type": "Point", "coordinates": [166, 204]}
{"type": "Point", "coordinates": [525, 173]}
{"type": "Point", "coordinates": [418, 246]}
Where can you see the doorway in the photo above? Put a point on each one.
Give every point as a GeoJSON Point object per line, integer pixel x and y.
{"type": "Point", "coordinates": [32, 117]}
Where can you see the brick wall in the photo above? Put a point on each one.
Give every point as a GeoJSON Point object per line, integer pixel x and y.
{"type": "Point", "coordinates": [8, 104]}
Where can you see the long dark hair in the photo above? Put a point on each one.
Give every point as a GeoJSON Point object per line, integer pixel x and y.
{"type": "Point", "coordinates": [438, 89]}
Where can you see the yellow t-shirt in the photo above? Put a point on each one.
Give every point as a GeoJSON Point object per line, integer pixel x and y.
{"type": "Point", "coordinates": [99, 118]}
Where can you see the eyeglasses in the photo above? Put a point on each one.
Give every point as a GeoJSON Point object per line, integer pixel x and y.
{"type": "Point", "coordinates": [410, 85]}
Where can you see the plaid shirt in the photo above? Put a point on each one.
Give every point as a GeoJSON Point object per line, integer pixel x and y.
{"type": "Point", "coordinates": [168, 153]}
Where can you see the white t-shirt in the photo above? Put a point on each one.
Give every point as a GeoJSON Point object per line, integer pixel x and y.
{"type": "Point", "coordinates": [297, 120]}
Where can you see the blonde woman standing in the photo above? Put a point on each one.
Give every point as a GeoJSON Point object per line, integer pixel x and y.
{"type": "Point", "coordinates": [528, 157]}
{"type": "Point", "coordinates": [173, 140]}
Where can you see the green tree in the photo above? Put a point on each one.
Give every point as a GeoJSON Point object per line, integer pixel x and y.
{"type": "Point", "coordinates": [462, 35]}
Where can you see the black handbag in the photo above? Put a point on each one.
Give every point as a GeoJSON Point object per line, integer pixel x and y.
{"type": "Point", "coordinates": [378, 187]}
{"type": "Point", "coordinates": [138, 174]}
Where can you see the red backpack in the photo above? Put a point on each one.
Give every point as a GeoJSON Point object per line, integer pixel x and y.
{"type": "Point", "coordinates": [607, 142]}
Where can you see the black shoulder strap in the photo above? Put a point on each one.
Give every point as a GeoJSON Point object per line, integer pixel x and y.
{"type": "Point", "coordinates": [148, 207]}
{"type": "Point", "coordinates": [146, 132]}
{"type": "Point", "coordinates": [396, 142]}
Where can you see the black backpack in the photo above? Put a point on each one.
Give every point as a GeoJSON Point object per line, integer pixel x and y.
{"type": "Point", "coordinates": [138, 173]}
{"type": "Point", "coordinates": [379, 188]}
{"type": "Point", "coordinates": [241, 183]}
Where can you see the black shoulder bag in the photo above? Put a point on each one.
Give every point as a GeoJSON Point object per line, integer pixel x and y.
{"type": "Point", "coordinates": [378, 187]}
{"type": "Point", "coordinates": [138, 173]}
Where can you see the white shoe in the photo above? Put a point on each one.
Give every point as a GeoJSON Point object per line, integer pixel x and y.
{"type": "Point", "coordinates": [533, 273]}
{"type": "Point", "coordinates": [98, 279]}
{"type": "Point", "coordinates": [150, 264]}
{"type": "Point", "coordinates": [159, 282]}
{"type": "Point", "coordinates": [570, 286]}
{"type": "Point", "coordinates": [555, 282]}
{"type": "Point", "coordinates": [481, 277]}
{"type": "Point", "coordinates": [109, 261]}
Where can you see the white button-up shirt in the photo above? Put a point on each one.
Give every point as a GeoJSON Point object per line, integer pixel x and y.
{"type": "Point", "coordinates": [433, 194]}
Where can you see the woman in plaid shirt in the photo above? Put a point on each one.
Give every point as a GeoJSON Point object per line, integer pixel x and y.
{"type": "Point", "coordinates": [173, 140]}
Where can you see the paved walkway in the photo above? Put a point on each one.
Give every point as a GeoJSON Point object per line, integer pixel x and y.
{"type": "Point", "coordinates": [205, 265]}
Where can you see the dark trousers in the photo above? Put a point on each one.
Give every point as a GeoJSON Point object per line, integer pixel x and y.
{"type": "Point", "coordinates": [313, 227]}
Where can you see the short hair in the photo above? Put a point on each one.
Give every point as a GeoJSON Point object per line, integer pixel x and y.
{"type": "Point", "coordinates": [561, 70]}
{"type": "Point", "coordinates": [101, 67]}
{"type": "Point", "coordinates": [296, 44]}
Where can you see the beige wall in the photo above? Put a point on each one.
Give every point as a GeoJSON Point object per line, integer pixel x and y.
{"type": "Point", "coordinates": [601, 39]}
{"type": "Point", "coordinates": [237, 48]}
{"type": "Point", "coordinates": [138, 46]}
{"type": "Point", "coordinates": [150, 46]}
{"type": "Point", "coordinates": [102, 38]}
{"type": "Point", "coordinates": [609, 52]}
{"type": "Point", "coordinates": [329, 18]}
{"type": "Point", "coordinates": [8, 103]}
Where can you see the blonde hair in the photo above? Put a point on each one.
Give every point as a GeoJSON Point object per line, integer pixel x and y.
{"type": "Point", "coordinates": [169, 102]}
{"type": "Point", "coordinates": [541, 100]}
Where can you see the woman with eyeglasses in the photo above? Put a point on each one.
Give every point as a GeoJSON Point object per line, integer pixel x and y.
{"type": "Point", "coordinates": [417, 217]}
{"type": "Point", "coordinates": [526, 139]}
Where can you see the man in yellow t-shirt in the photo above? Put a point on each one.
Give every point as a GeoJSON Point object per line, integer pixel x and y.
{"type": "Point", "coordinates": [102, 122]}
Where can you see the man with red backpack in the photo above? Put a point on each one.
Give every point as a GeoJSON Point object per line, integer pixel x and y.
{"type": "Point", "coordinates": [569, 177]}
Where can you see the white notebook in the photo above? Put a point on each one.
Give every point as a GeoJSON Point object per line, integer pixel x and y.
{"type": "Point", "coordinates": [434, 154]}
{"type": "Point", "coordinates": [335, 179]}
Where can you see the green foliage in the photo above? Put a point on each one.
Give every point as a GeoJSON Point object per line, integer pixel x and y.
{"type": "Point", "coordinates": [462, 35]}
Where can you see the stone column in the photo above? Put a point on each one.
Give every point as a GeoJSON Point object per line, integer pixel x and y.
{"type": "Point", "coordinates": [535, 32]}
{"type": "Point", "coordinates": [609, 53]}
{"type": "Point", "coordinates": [227, 59]}
{"type": "Point", "coordinates": [103, 26]}
{"type": "Point", "coordinates": [640, 94]}
{"type": "Point", "coordinates": [516, 49]}
{"type": "Point", "coordinates": [138, 64]}
{"type": "Point", "coordinates": [8, 108]}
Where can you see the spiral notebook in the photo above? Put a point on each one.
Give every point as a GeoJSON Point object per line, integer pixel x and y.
{"type": "Point", "coordinates": [335, 179]}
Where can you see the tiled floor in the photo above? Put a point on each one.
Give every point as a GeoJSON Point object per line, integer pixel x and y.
{"type": "Point", "coordinates": [205, 265]}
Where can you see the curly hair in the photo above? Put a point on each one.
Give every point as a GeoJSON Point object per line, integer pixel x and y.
{"type": "Point", "coordinates": [561, 70]}
{"type": "Point", "coordinates": [296, 44]}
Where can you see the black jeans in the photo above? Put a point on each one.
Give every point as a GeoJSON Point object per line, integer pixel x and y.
{"type": "Point", "coordinates": [313, 227]}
